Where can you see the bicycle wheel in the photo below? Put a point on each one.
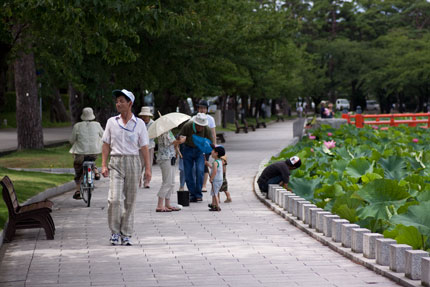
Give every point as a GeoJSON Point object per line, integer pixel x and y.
{"type": "Point", "coordinates": [89, 191]}
{"type": "Point", "coordinates": [85, 192]}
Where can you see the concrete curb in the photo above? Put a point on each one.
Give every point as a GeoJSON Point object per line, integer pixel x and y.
{"type": "Point", "coordinates": [50, 192]}
{"type": "Point", "coordinates": [328, 241]}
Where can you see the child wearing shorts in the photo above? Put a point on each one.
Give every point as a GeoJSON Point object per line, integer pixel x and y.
{"type": "Point", "coordinates": [216, 176]}
{"type": "Point", "coordinates": [224, 186]}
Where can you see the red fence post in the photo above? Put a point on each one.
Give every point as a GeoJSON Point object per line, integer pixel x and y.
{"type": "Point", "coordinates": [392, 120]}
{"type": "Point", "coordinates": [359, 120]}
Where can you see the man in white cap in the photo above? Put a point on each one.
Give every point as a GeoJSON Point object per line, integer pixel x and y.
{"type": "Point", "coordinates": [86, 140]}
{"type": "Point", "coordinates": [278, 173]}
{"type": "Point", "coordinates": [198, 125]}
{"type": "Point", "coordinates": [124, 138]}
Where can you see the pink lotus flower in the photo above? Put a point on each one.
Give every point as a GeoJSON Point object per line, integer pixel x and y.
{"type": "Point", "coordinates": [384, 129]}
{"type": "Point", "coordinates": [331, 144]}
{"type": "Point", "coordinates": [375, 127]}
{"type": "Point", "coordinates": [311, 137]}
{"type": "Point", "coordinates": [329, 134]}
{"type": "Point", "coordinates": [415, 140]}
{"type": "Point", "coordinates": [312, 150]}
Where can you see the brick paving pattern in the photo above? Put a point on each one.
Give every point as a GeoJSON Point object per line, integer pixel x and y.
{"type": "Point", "coordinates": [245, 244]}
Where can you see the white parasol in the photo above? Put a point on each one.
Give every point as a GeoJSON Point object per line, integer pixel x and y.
{"type": "Point", "coordinates": [166, 123]}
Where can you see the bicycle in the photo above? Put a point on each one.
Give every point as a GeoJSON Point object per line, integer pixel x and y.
{"type": "Point", "coordinates": [87, 182]}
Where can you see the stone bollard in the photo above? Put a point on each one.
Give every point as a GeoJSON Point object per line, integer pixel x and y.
{"type": "Point", "coordinates": [281, 197]}
{"type": "Point", "coordinates": [425, 271]}
{"type": "Point", "coordinates": [346, 234]}
{"type": "Point", "coordinates": [291, 203]}
{"type": "Point", "coordinates": [306, 213]}
{"type": "Point", "coordinates": [313, 216]}
{"type": "Point", "coordinates": [284, 201]}
{"type": "Point", "coordinates": [382, 251]}
{"type": "Point", "coordinates": [295, 205]}
{"type": "Point", "coordinates": [327, 222]}
{"type": "Point", "coordinates": [413, 263]}
{"type": "Point", "coordinates": [357, 239]}
{"type": "Point", "coordinates": [398, 256]}
{"type": "Point", "coordinates": [320, 220]}
{"type": "Point", "coordinates": [369, 244]}
{"type": "Point", "coordinates": [300, 204]}
{"type": "Point", "coordinates": [336, 229]}
{"type": "Point", "coordinates": [276, 192]}
{"type": "Point", "coordinates": [270, 192]}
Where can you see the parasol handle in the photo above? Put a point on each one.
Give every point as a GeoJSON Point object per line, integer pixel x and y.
{"type": "Point", "coordinates": [159, 113]}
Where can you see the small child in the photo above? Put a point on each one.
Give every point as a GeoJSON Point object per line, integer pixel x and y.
{"type": "Point", "coordinates": [216, 176]}
{"type": "Point", "coordinates": [224, 186]}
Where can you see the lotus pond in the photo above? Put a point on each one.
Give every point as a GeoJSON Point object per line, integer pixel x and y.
{"type": "Point", "coordinates": [376, 177]}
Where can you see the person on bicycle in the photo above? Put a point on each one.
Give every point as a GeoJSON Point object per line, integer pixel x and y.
{"type": "Point", "coordinates": [86, 140]}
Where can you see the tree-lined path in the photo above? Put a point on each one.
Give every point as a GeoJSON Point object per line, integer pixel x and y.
{"type": "Point", "coordinates": [245, 244]}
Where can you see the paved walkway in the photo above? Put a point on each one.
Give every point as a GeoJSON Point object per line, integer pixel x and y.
{"type": "Point", "coordinates": [8, 137]}
{"type": "Point", "coordinates": [245, 244]}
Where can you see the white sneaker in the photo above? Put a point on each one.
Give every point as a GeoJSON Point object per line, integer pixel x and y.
{"type": "Point", "coordinates": [125, 240]}
{"type": "Point", "coordinates": [114, 239]}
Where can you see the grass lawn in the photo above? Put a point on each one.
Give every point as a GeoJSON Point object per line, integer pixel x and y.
{"type": "Point", "coordinates": [46, 123]}
{"type": "Point", "coordinates": [28, 184]}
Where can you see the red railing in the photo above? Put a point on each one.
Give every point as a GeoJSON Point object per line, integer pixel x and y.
{"type": "Point", "coordinates": [359, 120]}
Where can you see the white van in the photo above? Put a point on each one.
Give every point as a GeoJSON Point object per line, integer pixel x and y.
{"type": "Point", "coordinates": [342, 104]}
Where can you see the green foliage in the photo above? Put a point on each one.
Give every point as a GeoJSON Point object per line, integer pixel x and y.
{"type": "Point", "coordinates": [372, 177]}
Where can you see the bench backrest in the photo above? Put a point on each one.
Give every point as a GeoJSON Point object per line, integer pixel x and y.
{"type": "Point", "coordinates": [9, 195]}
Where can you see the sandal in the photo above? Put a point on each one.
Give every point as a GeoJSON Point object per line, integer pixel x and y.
{"type": "Point", "coordinates": [77, 195]}
{"type": "Point", "coordinates": [172, 208]}
{"type": "Point", "coordinates": [215, 208]}
{"type": "Point", "coordinates": [162, 210]}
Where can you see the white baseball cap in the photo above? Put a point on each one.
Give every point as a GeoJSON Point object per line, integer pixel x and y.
{"type": "Point", "coordinates": [124, 92]}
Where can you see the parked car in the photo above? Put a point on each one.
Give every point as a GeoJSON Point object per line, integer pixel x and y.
{"type": "Point", "coordinates": [342, 104]}
{"type": "Point", "coordinates": [372, 105]}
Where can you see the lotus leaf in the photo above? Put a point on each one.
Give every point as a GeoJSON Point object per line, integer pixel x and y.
{"type": "Point", "coordinates": [358, 167]}
{"type": "Point", "coordinates": [406, 235]}
{"type": "Point", "coordinates": [394, 166]}
{"type": "Point", "coordinates": [424, 196]}
{"type": "Point", "coordinates": [304, 187]}
{"type": "Point", "coordinates": [417, 216]}
{"type": "Point", "coordinates": [382, 195]}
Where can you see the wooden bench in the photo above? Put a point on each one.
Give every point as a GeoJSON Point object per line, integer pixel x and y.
{"type": "Point", "coordinates": [220, 137]}
{"type": "Point", "coordinates": [263, 123]}
{"type": "Point", "coordinates": [249, 125]}
{"type": "Point", "coordinates": [239, 128]}
{"type": "Point", "coordinates": [34, 215]}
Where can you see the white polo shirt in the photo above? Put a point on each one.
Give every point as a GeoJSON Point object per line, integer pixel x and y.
{"type": "Point", "coordinates": [125, 139]}
{"type": "Point", "coordinates": [211, 121]}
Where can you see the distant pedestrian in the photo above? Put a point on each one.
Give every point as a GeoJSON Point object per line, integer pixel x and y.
{"type": "Point", "coordinates": [167, 161]}
{"type": "Point", "coordinates": [192, 155]}
{"type": "Point", "coordinates": [86, 140]}
{"type": "Point", "coordinates": [278, 173]}
{"type": "Point", "coordinates": [203, 107]}
{"type": "Point", "coordinates": [216, 176]}
{"type": "Point", "coordinates": [124, 138]}
{"type": "Point", "coordinates": [224, 186]}
{"type": "Point", "coordinates": [146, 115]}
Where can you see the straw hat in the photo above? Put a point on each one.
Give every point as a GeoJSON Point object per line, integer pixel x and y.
{"type": "Point", "coordinates": [201, 119]}
{"type": "Point", "coordinates": [145, 111]}
{"type": "Point", "coordinates": [87, 114]}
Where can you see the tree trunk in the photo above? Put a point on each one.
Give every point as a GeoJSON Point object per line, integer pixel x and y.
{"type": "Point", "coordinates": [58, 111]}
{"type": "Point", "coordinates": [223, 109]}
{"type": "Point", "coordinates": [28, 118]}
{"type": "Point", "coordinates": [75, 104]}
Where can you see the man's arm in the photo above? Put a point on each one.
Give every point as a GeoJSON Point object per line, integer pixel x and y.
{"type": "Point", "coordinates": [145, 153]}
{"type": "Point", "coordinates": [105, 155]}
